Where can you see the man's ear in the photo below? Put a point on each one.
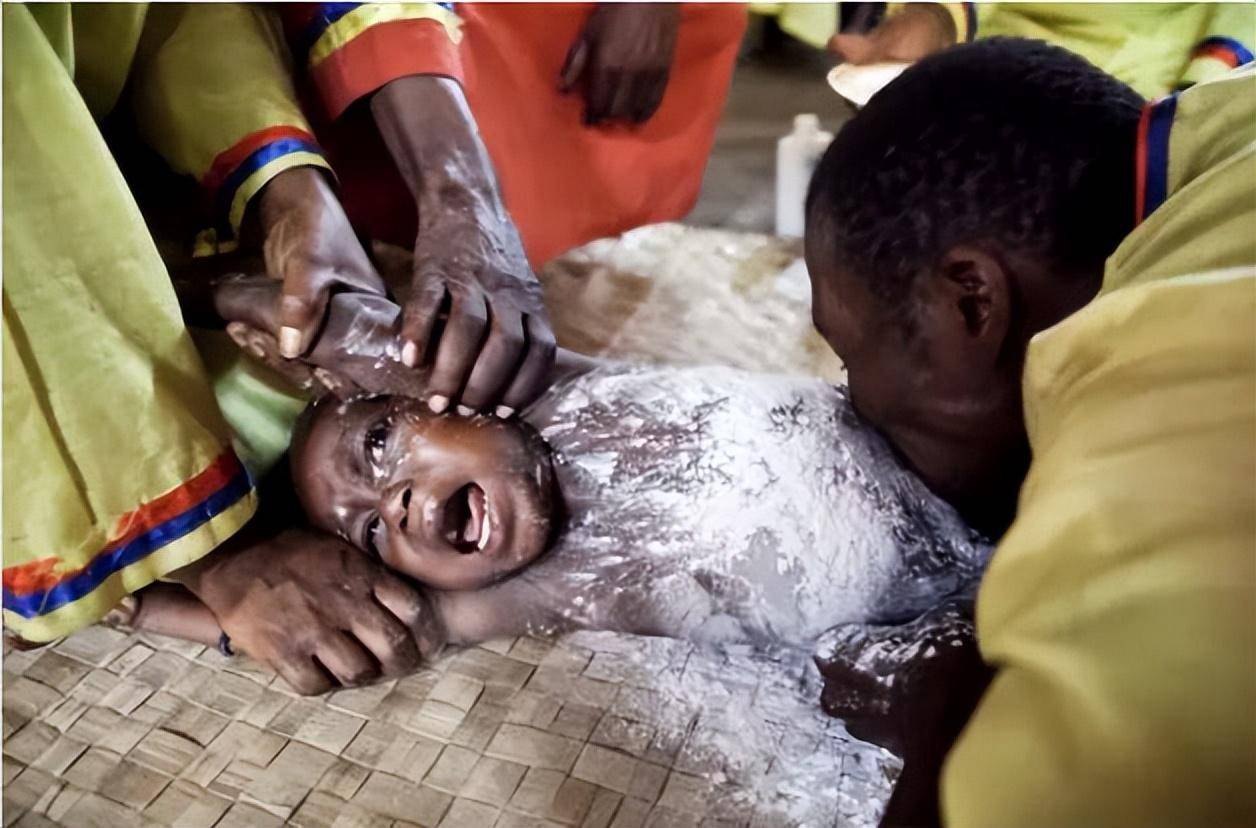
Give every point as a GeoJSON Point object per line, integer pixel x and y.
{"type": "Point", "coordinates": [974, 290]}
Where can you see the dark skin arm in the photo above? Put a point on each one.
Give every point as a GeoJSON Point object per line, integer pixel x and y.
{"type": "Point", "coordinates": [309, 248]}
{"type": "Point", "coordinates": [911, 689]}
{"type": "Point", "coordinates": [312, 608]}
{"type": "Point", "coordinates": [496, 347]}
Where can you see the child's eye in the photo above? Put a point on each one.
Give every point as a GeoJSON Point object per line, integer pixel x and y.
{"type": "Point", "coordinates": [369, 534]}
{"type": "Point", "coordinates": [377, 440]}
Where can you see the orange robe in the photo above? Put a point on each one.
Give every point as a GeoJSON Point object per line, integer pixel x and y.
{"type": "Point", "coordinates": [563, 182]}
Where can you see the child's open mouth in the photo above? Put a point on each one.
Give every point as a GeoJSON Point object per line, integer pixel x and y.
{"type": "Point", "coordinates": [466, 525]}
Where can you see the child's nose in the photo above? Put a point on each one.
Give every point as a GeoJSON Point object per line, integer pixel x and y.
{"type": "Point", "coordinates": [396, 505]}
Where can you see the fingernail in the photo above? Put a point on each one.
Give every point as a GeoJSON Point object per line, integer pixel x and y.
{"type": "Point", "coordinates": [465, 411]}
{"type": "Point", "coordinates": [289, 342]}
{"type": "Point", "coordinates": [409, 355]}
{"type": "Point", "coordinates": [505, 412]}
{"type": "Point", "coordinates": [438, 403]}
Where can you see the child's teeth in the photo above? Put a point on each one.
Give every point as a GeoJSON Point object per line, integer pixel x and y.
{"type": "Point", "coordinates": [484, 529]}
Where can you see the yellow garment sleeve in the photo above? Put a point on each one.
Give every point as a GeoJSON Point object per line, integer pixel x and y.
{"type": "Point", "coordinates": [117, 466]}
{"type": "Point", "coordinates": [1120, 607]}
{"type": "Point", "coordinates": [212, 92]}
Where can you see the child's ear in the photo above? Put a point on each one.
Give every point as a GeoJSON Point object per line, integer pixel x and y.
{"type": "Point", "coordinates": [263, 347]}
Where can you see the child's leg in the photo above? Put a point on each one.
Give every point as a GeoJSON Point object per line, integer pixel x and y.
{"type": "Point", "coordinates": [167, 609]}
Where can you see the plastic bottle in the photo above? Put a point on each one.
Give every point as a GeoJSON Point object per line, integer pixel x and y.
{"type": "Point", "coordinates": [796, 157]}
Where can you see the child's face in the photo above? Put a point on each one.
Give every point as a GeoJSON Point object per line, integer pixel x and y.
{"type": "Point", "coordinates": [454, 502]}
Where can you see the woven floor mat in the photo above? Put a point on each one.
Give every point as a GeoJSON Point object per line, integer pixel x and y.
{"type": "Point", "coordinates": [591, 730]}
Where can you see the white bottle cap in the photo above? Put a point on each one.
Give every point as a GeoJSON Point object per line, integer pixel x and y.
{"type": "Point", "coordinates": [807, 123]}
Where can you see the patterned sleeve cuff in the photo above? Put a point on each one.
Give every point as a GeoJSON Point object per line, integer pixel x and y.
{"type": "Point", "coordinates": [1212, 58]}
{"type": "Point", "coordinates": [240, 172]}
{"type": "Point", "coordinates": [352, 49]}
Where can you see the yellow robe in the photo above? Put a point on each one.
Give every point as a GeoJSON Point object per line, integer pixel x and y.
{"type": "Point", "coordinates": [1154, 47]}
{"type": "Point", "coordinates": [117, 464]}
{"type": "Point", "coordinates": [1120, 609]}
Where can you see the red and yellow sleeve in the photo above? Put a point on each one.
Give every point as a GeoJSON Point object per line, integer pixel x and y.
{"type": "Point", "coordinates": [349, 50]}
{"type": "Point", "coordinates": [1227, 43]}
{"type": "Point", "coordinates": [212, 92]}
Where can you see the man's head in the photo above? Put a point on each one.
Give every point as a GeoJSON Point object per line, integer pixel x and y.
{"type": "Point", "coordinates": [453, 502]}
{"type": "Point", "coordinates": [970, 205]}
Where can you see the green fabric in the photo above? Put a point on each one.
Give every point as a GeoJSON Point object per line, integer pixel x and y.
{"type": "Point", "coordinates": [258, 404]}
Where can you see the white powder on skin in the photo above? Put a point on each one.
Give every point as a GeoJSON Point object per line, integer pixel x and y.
{"type": "Point", "coordinates": [723, 506]}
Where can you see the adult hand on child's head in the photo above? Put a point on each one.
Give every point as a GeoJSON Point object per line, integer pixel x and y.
{"type": "Point", "coordinates": [316, 611]}
{"type": "Point", "coordinates": [624, 57]}
{"type": "Point", "coordinates": [915, 32]}
{"type": "Point", "coordinates": [310, 247]}
{"type": "Point", "coordinates": [495, 349]}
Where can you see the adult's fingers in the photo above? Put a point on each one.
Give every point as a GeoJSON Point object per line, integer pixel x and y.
{"type": "Point", "coordinates": [301, 309]}
{"type": "Point", "coordinates": [573, 65]}
{"type": "Point", "coordinates": [649, 96]}
{"type": "Point", "coordinates": [345, 658]}
{"type": "Point", "coordinates": [533, 374]}
{"type": "Point", "coordinates": [459, 346]}
{"type": "Point", "coordinates": [624, 97]}
{"type": "Point", "coordinates": [303, 675]}
{"type": "Point", "coordinates": [419, 317]}
{"type": "Point", "coordinates": [387, 639]}
{"type": "Point", "coordinates": [599, 94]}
{"type": "Point", "coordinates": [405, 603]}
{"type": "Point", "coordinates": [499, 355]}
{"type": "Point", "coordinates": [303, 303]}
{"type": "Point", "coordinates": [250, 299]}
{"type": "Point", "coordinates": [265, 348]}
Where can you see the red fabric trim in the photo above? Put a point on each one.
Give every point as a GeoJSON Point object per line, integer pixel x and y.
{"type": "Point", "coordinates": [41, 574]}
{"type": "Point", "coordinates": [381, 54]}
{"type": "Point", "coordinates": [1140, 165]}
{"type": "Point", "coordinates": [227, 161]}
{"type": "Point", "coordinates": [1221, 53]}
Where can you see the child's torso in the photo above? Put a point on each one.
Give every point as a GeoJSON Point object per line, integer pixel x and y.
{"type": "Point", "coordinates": [713, 503]}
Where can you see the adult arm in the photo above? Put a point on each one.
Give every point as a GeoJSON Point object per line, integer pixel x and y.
{"type": "Point", "coordinates": [496, 346]}
{"type": "Point", "coordinates": [909, 688]}
{"type": "Point", "coordinates": [212, 93]}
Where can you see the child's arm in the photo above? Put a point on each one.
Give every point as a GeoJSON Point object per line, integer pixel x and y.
{"type": "Point", "coordinates": [516, 606]}
{"type": "Point", "coordinates": [167, 609]}
{"type": "Point", "coordinates": [356, 349]}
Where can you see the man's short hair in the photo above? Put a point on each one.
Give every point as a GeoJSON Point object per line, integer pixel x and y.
{"type": "Point", "coordinates": [1005, 140]}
